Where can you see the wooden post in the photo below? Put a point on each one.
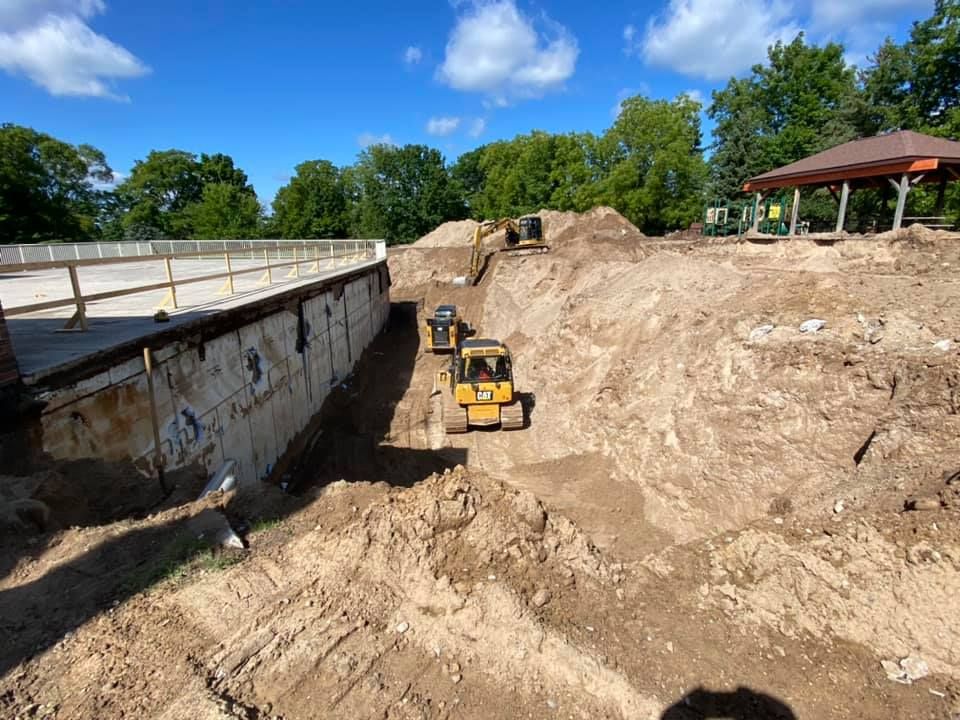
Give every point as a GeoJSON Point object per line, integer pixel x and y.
{"type": "Point", "coordinates": [157, 449]}
{"type": "Point", "coordinates": [755, 225]}
{"type": "Point", "coordinates": [795, 211]}
{"type": "Point", "coordinates": [842, 214]}
{"type": "Point", "coordinates": [173, 287]}
{"type": "Point", "coordinates": [296, 265]}
{"type": "Point", "coordinates": [226, 256]}
{"type": "Point", "coordinates": [81, 314]}
{"type": "Point", "coordinates": [941, 190]}
{"type": "Point", "coordinates": [904, 188]}
{"type": "Point", "coordinates": [266, 259]}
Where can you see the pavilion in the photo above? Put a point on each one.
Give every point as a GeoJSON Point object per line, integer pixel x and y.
{"type": "Point", "coordinates": [903, 159]}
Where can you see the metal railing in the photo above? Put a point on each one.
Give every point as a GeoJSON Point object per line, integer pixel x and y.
{"type": "Point", "coordinates": [317, 255]}
{"type": "Point", "coordinates": [21, 254]}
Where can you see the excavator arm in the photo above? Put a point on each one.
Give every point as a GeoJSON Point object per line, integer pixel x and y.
{"type": "Point", "coordinates": [484, 229]}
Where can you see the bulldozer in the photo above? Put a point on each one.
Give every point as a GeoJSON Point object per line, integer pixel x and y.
{"type": "Point", "coordinates": [522, 237]}
{"type": "Point", "coordinates": [478, 388]}
{"type": "Point", "coordinates": [445, 330]}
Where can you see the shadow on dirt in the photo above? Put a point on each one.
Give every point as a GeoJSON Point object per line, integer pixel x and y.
{"type": "Point", "coordinates": [740, 704]}
{"type": "Point", "coordinates": [342, 443]}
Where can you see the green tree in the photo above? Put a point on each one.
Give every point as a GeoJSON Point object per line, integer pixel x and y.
{"type": "Point", "coordinates": [805, 99]}
{"type": "Point", "coordinates": [225, 212]}
{"type": "Point", "coordinates": [159, 190]}
{"type": "Point", "coordinates": [314, 204]}
{"type": "Point", "coordinates": [404, 192]}
{"type": "Point", "coordinates": [657, 171]}
{"type": "Point", "coordinates": [172, 194]}
{"type": "Point", "coordinates": [48, 188]}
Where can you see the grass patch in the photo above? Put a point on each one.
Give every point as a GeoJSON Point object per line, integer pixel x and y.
{"type": "Point", "coordinates": [265, 524]}
{"type": "Point", "coordinates": [182, 557]}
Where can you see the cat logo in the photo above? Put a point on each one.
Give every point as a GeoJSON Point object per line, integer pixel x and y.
{"type": "Point", "coordinates": [484, 395]}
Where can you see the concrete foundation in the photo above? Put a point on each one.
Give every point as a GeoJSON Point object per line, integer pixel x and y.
{"type": "Point", "coordinates": [235, 386]}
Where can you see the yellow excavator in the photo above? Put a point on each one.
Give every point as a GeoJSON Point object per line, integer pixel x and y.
{"type": "Point", "coordinates": [478, 388]}
{"type": "Point", "coordinates": [522, 237]}
{"type": "Point", "coordinates": [445, 329]}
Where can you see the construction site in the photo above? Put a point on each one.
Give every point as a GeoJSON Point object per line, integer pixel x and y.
{"type": "Point", "coordinates": [726, 485]}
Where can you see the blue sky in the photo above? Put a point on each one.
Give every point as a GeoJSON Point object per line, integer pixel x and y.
{"type": "Point", "coordinates": [276, 83]}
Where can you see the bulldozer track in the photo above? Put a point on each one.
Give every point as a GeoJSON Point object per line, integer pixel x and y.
{"type": "Point", "coordinates": [454, 417]}
{"type": "Point", "coordinates": [511, 416]}
{"type": "Point", "coordinates": [519, 252]}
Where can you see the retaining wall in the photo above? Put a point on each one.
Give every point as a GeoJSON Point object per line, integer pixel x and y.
{"type": "Point", "coordinates": [237, 386]}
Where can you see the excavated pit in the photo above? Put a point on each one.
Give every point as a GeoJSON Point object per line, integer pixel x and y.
{"type": "Point", "coordinates": [705, 518]}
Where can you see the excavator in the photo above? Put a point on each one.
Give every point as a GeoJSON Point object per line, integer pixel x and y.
{"type": "Point", "coordinates": [523, 237]}
{"type": "Point", "coordinates": [445, 329]}
{"type": "Point", "coordinates": [478, 388]}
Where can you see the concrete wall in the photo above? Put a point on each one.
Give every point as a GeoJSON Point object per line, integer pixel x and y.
{"type": "Point", "coordinates": [241, 394]}
{"type": "Point", "coordinates": [9, 375]}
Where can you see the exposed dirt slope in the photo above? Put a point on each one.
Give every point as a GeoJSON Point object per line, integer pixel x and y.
{"type": "Point", "coordinates": [707, 516]}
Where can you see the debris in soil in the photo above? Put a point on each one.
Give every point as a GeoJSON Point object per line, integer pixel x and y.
{"type": "Point", "coordinates": [909, 670]}
{"type": "Point", "coordinates": [812, 326]}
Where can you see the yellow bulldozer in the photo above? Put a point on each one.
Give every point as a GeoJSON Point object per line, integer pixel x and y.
{"type": "Point", "coordinates": [522, 237]}
{"type": "Point", "coordinates": [478, 388]}
{"type": "Point", "coordinates": [445, 330]}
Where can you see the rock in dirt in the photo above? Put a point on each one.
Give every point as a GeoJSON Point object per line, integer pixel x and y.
{"type": "Point", "coordinates": [813, 325]}
{"type": "Point", "coordinates": [541, 598]}
{"type": "Point", "coordinates": [943, 345]}
{"type": "Point", "coordinates": [530, 510]}
{"type": "Point", "coordinates": [760, 331]}
{"type": "Point", "coordinates": [402, 628]}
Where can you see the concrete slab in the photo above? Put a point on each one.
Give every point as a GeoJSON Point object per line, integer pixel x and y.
{"type": "Point", "coordinates": [38, 339]}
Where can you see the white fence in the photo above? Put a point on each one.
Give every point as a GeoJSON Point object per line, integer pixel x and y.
{"type": "Point", "coordinates": [22, 254]}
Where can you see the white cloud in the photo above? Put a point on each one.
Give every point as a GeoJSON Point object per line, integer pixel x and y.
{"type": "Point", "coordinates": [715, 39]}
{"type": "Point", "coordinates": [367, 139]}
{"type": "Point", "coordinates": [477, 127]}
{"type": "Point", "coordinates": [442, 125]}
{"type": "Point", "coordinates": [494, 49]}
{"type": "Point", "coordinates": [49, 42]}
{"type": "Point", "coordinates": [695, 95]}
{"type": "Point", "coordinates": [412, 55]}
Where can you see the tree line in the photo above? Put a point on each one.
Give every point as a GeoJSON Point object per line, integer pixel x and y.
{"type": "Point", "coordinates": [650, 164]}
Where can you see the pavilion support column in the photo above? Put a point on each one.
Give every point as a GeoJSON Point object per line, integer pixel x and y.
{"type": "Point", "coordinates": [755, 226]}
{"type": "Point", "coordinates": [941, 191]}
{"type": "Point", "coordinates": [842, 214]}
{"type": "Point", "coordinates": [795, 211]}
{"type": "Point", "coordinates": [903, 188]}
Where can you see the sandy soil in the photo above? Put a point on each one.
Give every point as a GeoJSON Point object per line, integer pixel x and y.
{"type": "Point", "coordinates": [711, 513]}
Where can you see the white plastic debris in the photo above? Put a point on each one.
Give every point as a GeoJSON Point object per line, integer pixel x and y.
{"type": "Point", "coordinates": [760, 331]}
{"type": "Point", "coordinates": [838, 506]}
{"type": "Point", "coordinates": [812, 325]}
{"type": "Point", "coordinates": [943, 345]}
{"type": "Point", "coordinates": [908, 670]}
{"type": "Point", "coordinates": [402, 628]}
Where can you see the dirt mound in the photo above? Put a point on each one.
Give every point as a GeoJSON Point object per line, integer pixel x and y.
{"type": "Point", "coordinates": [455, 594]}
{"type": "Point", "coordinates": [457, 233]}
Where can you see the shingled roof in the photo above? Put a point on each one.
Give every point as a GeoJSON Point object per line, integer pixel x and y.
{"type": "Point", "coordinates": [882, 155]}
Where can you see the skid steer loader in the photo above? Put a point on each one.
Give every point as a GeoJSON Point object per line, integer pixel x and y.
{"type": "Point", "coordinates": [478, 388]}
{"type": "Point", "coordinates": [445, 330]}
